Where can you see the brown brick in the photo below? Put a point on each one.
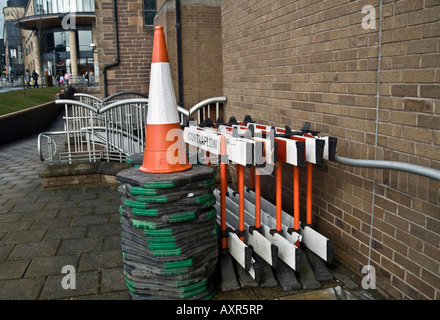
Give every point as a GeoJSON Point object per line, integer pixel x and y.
{"type": "Point", "coordinates": [430, 91]}
{"type": "Point", "coordinates": [404, 90]}
{"type": "Point", "coordinates": [428, 121]}
{"type": "Point", "coordinates": [421, 76]}
{"type": "Point", "coordinates": [424, 16]}
{"type": "Point", "coordinates": [407, 6]}
{"type": "Point", "coordinates": [407, 34]}
{"type": "Point", "coordinates": [431, 30]}
{"type": "Point", "coordinates": [417, 134]}
{"type": "Point", "coordinates": [418, 105]}
{"type": "Point", "coordinates": [402, 117]}
{"type": "Point", "coordinates": [422, 46]}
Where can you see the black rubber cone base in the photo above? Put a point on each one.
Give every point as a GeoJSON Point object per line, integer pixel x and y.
{"type": "Point", "coordinates": [137, 178]}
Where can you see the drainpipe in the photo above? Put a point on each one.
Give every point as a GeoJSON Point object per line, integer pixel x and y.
{"type": "Point", "coordinates": [179, 53]}
{"type": "Point", "coordinates": [116, 62]}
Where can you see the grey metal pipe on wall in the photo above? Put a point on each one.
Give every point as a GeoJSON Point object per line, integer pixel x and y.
{"type": "Point", "coordinates": [391, 165]}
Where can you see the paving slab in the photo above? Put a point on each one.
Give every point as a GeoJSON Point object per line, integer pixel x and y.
{"type": "Point", "coordinates": [13, 269]}
{"type": "Point", "coordinates": [34, 250]}
{"type": "Point", "coordinates": [86, 283]}
{"type": "Point", "coordinates": [50, 265]}
{"type": "Point", "coordinates": [21, 289]}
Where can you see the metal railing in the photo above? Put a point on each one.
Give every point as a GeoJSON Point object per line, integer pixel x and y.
{"type": "Point", "coordinates": [88, 99]}
{"type": "Point", "coordinates": [109, 129]}
{"type": "Point", "coordinates": [204, 109]}
{"type": "Point", "coordinates": [110, 132]}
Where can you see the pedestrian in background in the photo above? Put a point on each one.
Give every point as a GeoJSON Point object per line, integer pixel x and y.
{"type": "Point", "coordinates": [35, 77]}
{"type": "Point", "coordinates": [27, 78]}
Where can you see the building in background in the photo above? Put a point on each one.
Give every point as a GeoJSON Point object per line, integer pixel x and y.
{"type": "Point", "coordinates": [58, 37]}
{"type": "Point", "coordinates": [12, 37]}
{"type": "Point", "coordinates": [193, 34]}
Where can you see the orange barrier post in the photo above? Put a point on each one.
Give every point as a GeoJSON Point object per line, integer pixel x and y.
{"type": "Point", "coordinates": [309, 192]}
{"type": "Point", "coordinates": [278, 198]}
{"type": "Point", "coordinates": [165, 150]}
{"type": "Point", "coordinates": [257, 199]}
{"type": "Point", "coordinates": [240, 182]}
{"type": "Point", "coordinates": [223, 189]}
{"type": "Point", "coordinates": [252, 177]}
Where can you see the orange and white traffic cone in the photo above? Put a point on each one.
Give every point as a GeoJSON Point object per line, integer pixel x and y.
{"type": "Point", "coordinates": [165, 150]}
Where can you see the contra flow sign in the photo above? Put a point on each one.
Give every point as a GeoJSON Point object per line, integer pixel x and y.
{"type": "Point", "coordinates": [208, 141]}
{"type": "Point", "coordinates": [239, 150]}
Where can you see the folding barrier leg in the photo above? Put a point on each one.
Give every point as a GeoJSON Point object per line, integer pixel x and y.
{"type": "Point", "coordinates": [228, 279]}
{"type": "Point", "coordinates": [278, 197]}
{"type": "Point", "coordinates": [223, 191]}
{"type": "Point", "coordinates": [306, 275]}
{"type": "Point", "coordinates": [240, 182]}
{"type": "Point", "coordinates": [257, 199]}
{"type": "Point", "coordinates": [319, 268]}
{"type": "Point", "coordinates": [309, 192]}
{"type": "Point", "coordinates": [296, 201]}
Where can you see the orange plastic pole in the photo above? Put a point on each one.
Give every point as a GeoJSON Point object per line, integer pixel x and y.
{"type": "Point", "coordinates": [295, 198]}
{"type": "Point", "coordinates": [278, 198]}
{"type": "Point", "coordinates": [252, 177]}
{"type": "Point", "coordinates": [240, 180]}
{"type": "Point", "coordinates": [309, 192]}
{"type": "Point", "coordinates": [223, 189]}
{"type": "Point", "coordinates": [257, 199]}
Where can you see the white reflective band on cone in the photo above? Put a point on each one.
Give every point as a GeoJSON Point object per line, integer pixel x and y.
{"type": "Point", "coordinates": [162, 105]}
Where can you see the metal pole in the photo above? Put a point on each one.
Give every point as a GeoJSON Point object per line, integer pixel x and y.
{"type": "Point", "coordinates": [391, 165]}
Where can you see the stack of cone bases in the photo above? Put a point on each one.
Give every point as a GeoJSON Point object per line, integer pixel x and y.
{"type": "Point", "coordinates": [168, 220]}
{"type": "Point", "coordinates": [169, 233]}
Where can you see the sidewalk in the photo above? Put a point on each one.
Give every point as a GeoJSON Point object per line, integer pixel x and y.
{"type": "Point", "coordinates": [44, 229]}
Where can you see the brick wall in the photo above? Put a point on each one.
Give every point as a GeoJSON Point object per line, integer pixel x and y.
{"type": "Point", "coordinates": [135, 46]}
{"type": "Point", "coordinates": [286, 62]}
{"type": "Point", "coordinates": [201, 46]}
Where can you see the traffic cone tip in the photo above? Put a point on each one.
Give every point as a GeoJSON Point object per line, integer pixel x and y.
{"type": "Point", "coordinates": [160, 53]}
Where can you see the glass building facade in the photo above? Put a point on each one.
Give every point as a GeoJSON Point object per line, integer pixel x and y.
{"type": "Point", "coordinates": [61, 49]}
{"type": "Point", "coordinates": [63, 6]}
{"type": "Point", "coordinates": [56, 48]}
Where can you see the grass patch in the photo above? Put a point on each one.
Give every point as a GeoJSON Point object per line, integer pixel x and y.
{"type": "Point", "coordinates": [15, 100]}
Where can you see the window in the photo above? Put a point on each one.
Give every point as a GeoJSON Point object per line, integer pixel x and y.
{"type": "Point", "coordinates": [84, 40]}
{"type": "Point", "coordinates": [149, 12]}
{"type": "Point", "coordinates": [63, 6]}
